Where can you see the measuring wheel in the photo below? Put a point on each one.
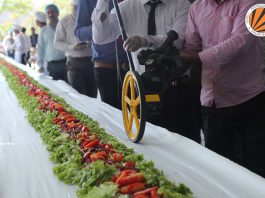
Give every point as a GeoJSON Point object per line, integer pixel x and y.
{"type": "Point", "coordinates": [133, 106]}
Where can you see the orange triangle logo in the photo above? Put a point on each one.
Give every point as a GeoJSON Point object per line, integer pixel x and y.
{"type": "Point", "coordinates": [257, 20]}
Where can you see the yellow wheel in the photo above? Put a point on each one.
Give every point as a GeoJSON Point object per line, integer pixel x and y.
{"type": "Point", "coordinates": [133, 106]}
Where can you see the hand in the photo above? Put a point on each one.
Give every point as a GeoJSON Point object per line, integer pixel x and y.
{"type": "Point", "coordinates": [80, 46]}
{"type": "Point", "coordinates": [134, 43]}
{"type": "Point", "coordinates": [41, 70]}
{"type": "Point", "coordinates": [192, 58]}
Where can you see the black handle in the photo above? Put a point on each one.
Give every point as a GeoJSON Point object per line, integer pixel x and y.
{"type": "Point", "coordinates": [171, 37]}
{"type": "Point", "coordinates": [123, 33]}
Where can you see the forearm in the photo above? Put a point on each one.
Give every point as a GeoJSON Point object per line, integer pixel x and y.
{"type": "Point", "coordinates": [104, 31]}
{"type": "Point", "coordinates": [226, 51]}
{"type": "Point", "coordinates": [63, 45]}
{"type": "Point", "coordinates": [236, 45]}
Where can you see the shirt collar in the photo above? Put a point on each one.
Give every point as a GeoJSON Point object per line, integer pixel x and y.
{"type": "Point", "coordinates": [146, 1]}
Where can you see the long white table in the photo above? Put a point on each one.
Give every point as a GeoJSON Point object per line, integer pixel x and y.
{"type": "Point", "coordinates": [25, 169]}
{"type": "Point", "coordinates": [207, 174]}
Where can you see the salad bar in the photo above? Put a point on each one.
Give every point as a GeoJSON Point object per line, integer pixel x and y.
{"type": "Point", "coordinates": [84, 154]}
{"type": "Point", "coordinates": [91, 154]}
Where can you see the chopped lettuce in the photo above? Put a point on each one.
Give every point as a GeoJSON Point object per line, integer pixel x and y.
{"type": "Point", "coordinates": [105, 190]}
{"type": "Point", "coordinates": [92, 179]}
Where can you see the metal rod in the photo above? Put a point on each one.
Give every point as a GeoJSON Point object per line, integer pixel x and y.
{"type": "Point", "coordinates": [123, 33]}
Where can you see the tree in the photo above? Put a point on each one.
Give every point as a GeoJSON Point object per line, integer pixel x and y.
{"type": "Point", "coordinates": [13, 10]}
{"type": "Point", "coordinates": [21, 12]}
{"type": "Point", "coordinates": [17, 8]}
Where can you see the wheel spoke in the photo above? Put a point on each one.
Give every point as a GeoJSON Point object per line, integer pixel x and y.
{"type": "Point", "coordinates": [128, 100]}
{"type": "Point", "coordinates": [132, 88]}
{"type": "Point", "coordinates": [137, 101]}
{"type": "Point", "coordinates": [136, 121]}
{"type": "Point", "coordinates": [130, 122]}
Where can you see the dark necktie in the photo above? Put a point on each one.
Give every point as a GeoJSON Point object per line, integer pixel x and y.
{"type": "Point", "coordinates": [151, 18]}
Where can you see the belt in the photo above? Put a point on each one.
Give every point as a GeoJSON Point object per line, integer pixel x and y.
{"type": "Point", "coordinates": [57, 61]}
{"type": "Point", "coordinates": [110, 65]}
{"type": "Point", "coordinates": [104, 64]}
{"type": "Point", "coordinates": [84, 58]}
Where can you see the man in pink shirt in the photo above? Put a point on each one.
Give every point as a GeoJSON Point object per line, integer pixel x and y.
{"type": "Point", "coordinates": [232, 96]}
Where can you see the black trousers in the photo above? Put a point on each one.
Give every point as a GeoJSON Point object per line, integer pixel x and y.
{"type": "Point", "coordinates": [81, 76]}
{"type": "Point", "coordinates": [238, 132]}
{"type": "Point", "coordinates": [57, 69]}
{"type": "Point", "coordinates": [181, 112]}
{"type": "Point", "coordinates": [107, 83]}
{"type": "Point", "coordinates": [11, 54]}
{"type": "Point", "coordinates": [23, 59]}
{"type": "Point", "coordinates": [27, 57]}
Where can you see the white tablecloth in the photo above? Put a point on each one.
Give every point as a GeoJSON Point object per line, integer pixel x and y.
{"type": "Point", "coordinates": [182, 160]}
{"type": "Point", "coordinates": [25, 169]}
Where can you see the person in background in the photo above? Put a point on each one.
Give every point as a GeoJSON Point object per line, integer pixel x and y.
{"type": "Point", "coordinates": [146, 24]}
{"type": "Point", "coordinates": [33, 38]}
{"type": "Point", "coordinates": [56, 60]}
{"type": "Point", "coordinates": [33, 41]}
{"type": "Point", "coordinates": [27, 45]}
{"type": "Point", "coordinates": [80, 68]}
{"type": "Point", "coordinates": [41, 19]}
{"type": "Point", "coordinates": [232, 97]}
{"type": "Point", "coordinates": [9, 45]}
{"type": "Point", "coordinates": [104, 57]}
{"type": "Point", "coordinates": [19, 45]}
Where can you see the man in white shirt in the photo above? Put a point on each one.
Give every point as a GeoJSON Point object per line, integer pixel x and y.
{"type": "Point", "coordinates": [27, 45]}
{"type": "Point", "coordinates": [80, 68]}
{"type": "Point", "coordinates": [182, 105]}
{"type": "Point", "coordinates": [170, 15]}
{"type": "Point", "coordinates": [9, 45]}
{"type": "Point", "coordinates": [19, 45]}
{"type": "Point", "coordinates": [41, 21]}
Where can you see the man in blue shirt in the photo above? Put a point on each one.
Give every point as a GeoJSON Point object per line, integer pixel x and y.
{"type": "Point", "coordinates": [56, 60]}
{"type": "Point", "coordinates": [104, 56]}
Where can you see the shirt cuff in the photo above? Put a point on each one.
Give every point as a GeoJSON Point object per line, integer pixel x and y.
{"type": "Point", "coordinates": [155, 41]}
